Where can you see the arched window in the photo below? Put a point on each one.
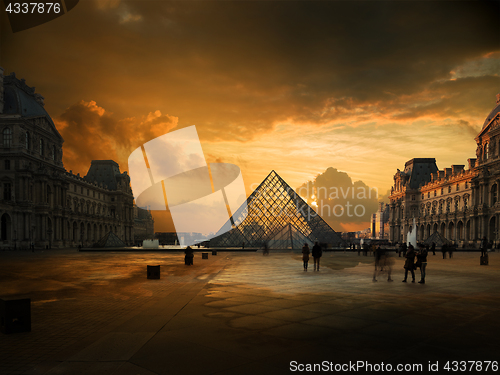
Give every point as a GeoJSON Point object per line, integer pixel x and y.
{"type": "Point", "coordinates": [27, 141]}
{"type": "Point", "coordinates": [54, 153]}
{"type": "Point", "coordinates": [494, 194]}
{"type": "Point", "coordinates": [7, 137]}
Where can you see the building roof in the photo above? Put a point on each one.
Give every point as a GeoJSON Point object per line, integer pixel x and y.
{"type": "Point", "coordinates": [493, 113]}
{"type": "Point", "coordinates": [105, 172]}
{"type": "Point", "coordinates": [420, 170]}
{"type": "Point", "coordinates": [21, 99]}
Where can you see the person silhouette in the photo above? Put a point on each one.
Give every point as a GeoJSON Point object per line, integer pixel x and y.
{"type": "Point", "coordinates": [316, 253]}
{"type": "Point", "coordinates": [410, 263]}
{"type": "Point", "coordinates": [305, 255]}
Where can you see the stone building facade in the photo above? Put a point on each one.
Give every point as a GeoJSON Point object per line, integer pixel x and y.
{"type": "Point", "coordinates": [40, 202]}
{"type": "Point", "coordinates": [461, 204]}
{"type": "Point", "coordinates": [144, 228]}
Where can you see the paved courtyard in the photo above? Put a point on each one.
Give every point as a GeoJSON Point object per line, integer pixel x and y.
{"type": "Point", "coordinates": [244, 313]}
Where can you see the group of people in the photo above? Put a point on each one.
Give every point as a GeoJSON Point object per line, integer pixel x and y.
{"type": "Point", "coordinates": [316, 253]}
{"type": "Point", "coordinates": [411, 265]}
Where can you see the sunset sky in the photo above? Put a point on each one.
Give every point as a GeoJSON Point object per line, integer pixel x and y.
{"type": "Point", "coordinates": [298, 87]}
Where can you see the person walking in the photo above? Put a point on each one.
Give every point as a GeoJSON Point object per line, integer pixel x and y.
{"type": "Point", "coordinates": [317, 252]}
{"type": "Point", "coordinates": [444, 250]}
{"type": "Point", "coordinates": [433, 248]}
{"type": "Point", "coordinates": [484, 246]}
{"type": "Point", "coordinates": [189, 256]}
{"type": "Point", "coordinates": [378, 263]}
{"type": "Point", "coordinates": [387, 261]}
{"type": "Point", "coordinates": [305, 255]}
{"type": "Point", "coordinates": [266, 249]}
{"type": "Point", "coordinates": [410, 263]}
{"type": "Point", "coordinates": [422, 262]}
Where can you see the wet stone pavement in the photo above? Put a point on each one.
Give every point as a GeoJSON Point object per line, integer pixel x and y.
{"type": "Point", "coordinates": [243, 313]}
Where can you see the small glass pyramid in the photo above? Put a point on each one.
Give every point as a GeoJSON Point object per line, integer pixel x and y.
{"type": "Point", "coordinates": [277, 216]}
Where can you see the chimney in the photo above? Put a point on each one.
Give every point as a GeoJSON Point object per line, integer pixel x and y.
{"type": "Point", "coordinates": [1, 90]}
{"type": "Point", "coordinates": [456, 169]}
{"type": "Point", "coordinates": [472, 163]}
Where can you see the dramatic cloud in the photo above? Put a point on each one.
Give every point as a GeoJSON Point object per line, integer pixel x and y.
{"type": "Point", "coordinates": [90, 132]}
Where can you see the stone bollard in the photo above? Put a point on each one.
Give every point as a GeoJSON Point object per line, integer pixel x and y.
{"type": "Point", "coordinates": [153, 272]}
{"type": "Point", "coordinates": [15, 315]}
{"type": "Point", "coordinates": [204, 255]}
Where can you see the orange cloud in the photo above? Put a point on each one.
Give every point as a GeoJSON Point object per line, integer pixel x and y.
{"type": "Point", "coordinates": [90, 132]}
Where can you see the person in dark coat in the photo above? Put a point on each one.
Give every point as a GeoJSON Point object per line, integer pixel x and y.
{"type": "Point", "coordinates": [422, 261]}
{"type": "Point", "coordinates": [433, 248]}
{"type": "Point", "coordinates": [410, 263]}
{"type": "Point", "coordinates": [484, 246]}
{"type": "Point", "coordinates": [316, 253]}
{"type": "Point", "coordinates": [444, 250]}
{"type": "Point", "coordinates": [188, 258]}
{"type": "Point", "coordinates": [305, 255]}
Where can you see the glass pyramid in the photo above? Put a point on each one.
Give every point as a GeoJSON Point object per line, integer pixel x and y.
{"type": "Point", "coordinates": [276, 215]}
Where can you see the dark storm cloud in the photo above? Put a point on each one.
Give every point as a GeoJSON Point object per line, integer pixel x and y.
{"type": "Point", "coordinates": [235, 69]}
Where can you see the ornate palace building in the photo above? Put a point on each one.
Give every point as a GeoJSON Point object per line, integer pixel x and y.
{"type": "Point", "coordinates": [42, 203]}
{"type": "Point", "coordinates": [461, 204]}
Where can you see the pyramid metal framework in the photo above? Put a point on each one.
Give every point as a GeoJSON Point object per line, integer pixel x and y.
{"type": "Point", "coordinates": [110, 240]}
{"type": "Point", "coordinates": [437, 238]}
{"type": "Point", "coordinates": [276, 215]}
